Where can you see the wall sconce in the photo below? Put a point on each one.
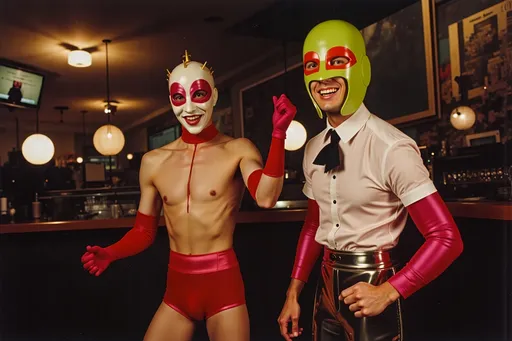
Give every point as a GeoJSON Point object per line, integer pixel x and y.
{"type": "Point", "coordinates": [462, 118]}
{"type": "Point", "coordinates": [79, 58]}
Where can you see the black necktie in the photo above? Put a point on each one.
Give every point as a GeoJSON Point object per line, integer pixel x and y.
{"type": "Point", "coordinates": [331, 155]}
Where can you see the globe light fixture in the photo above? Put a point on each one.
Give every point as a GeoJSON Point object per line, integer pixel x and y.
{"type": "Point", "coordinates": [129, 156]}
{"type": "Point", "coordinates": [108, 140]}
{"type": "Point", "coordinates": [79, 159]}
{"type": "Point", "coordinates": [38, 149]}
{"type": "Point", "coordinates": [79, 58]}
{"type": "Point", "coordinates": [296, 136]}
{"type": "Point", "coordinates": [462, 118]}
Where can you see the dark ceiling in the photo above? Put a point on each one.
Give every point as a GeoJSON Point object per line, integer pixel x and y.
{"type": "Point", "coordinates": [291, 20]}
{"type": "Point", "coordinates": [149, 36]}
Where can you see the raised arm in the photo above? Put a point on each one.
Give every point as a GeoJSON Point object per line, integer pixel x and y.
{"type": "Point", "coordinates": [265, 185]}
{"type": "Point", "coordinates": [96, 259]}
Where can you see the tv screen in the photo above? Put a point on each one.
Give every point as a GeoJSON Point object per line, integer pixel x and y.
{"type": "Point", "coordinates": [19, 87]}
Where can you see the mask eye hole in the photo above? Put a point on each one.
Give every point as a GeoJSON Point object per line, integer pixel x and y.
{"type": "Point", "coordinates": [339, 61]}
{"type": "Point", "coordinates": [201, 91]}
{"type": "Point", "coordinates": [311, 63]}
{"type": "Point", "coordinates": [177, 93]}
{"type": "Point", "coordinates": [200, 94]}
{"type": "Point", "coordinates": [340, 57]}
{"type": "Point", "coordinates": [178, 97]}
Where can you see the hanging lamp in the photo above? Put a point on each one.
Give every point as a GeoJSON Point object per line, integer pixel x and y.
{"type": "Point", "coordinates": [38, 148]}
{"type": "Point", "coordinates": [108, 139]}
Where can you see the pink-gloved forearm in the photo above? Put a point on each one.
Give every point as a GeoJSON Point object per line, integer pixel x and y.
{"type": "Point", "coordinates": [284, 112]}
{"type": "Point", "coordinates": [308, 249]}
{"type": "Point", "coordinates": [138, 239]}
{"type": "Point", "coordinates": [443, 244]}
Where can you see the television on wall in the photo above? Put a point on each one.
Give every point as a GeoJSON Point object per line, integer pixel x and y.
{"type": "Point", "coordinates": [20, 87]}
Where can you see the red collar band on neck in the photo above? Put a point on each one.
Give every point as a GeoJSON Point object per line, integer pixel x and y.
{"type": "Point", "coordinates": [206, 135]}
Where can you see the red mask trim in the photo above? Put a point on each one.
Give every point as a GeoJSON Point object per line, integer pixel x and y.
{"type": "Point", "coordinates": [340, 51]}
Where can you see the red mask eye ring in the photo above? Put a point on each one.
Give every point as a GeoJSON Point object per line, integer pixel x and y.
{"type": "Point", "coordinates": [202, 85]}
{"type": "Point", "coordinates": [177, 89]}
{"type": "Point", "coordinates": [340, 51]}
{"type": "Point", "coordinates": [311, 56]}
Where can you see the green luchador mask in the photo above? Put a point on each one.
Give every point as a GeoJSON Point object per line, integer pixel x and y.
{"type": "Point", "coordinates": [331, 40]}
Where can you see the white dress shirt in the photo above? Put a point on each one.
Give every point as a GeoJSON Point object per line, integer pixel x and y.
{"type": "Point", "coordinates": [362, 206]}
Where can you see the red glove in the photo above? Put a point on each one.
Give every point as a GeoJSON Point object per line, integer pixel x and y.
{"type": "Point", "coordinates": [284, 113]}
{"type": "Point", "coordinates": [442, 246]}
{"type": "Point", "coordinates": [96, 259]}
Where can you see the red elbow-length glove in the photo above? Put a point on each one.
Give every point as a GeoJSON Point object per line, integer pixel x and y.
{"type": "Point", "coordinates": [443, 244]}
{"type": "Point", "coordinates": [96, 259]}
{"type": "Point", "coordinates": [308, 249]}
{"type": "Point", "coordinates": [284, 112]}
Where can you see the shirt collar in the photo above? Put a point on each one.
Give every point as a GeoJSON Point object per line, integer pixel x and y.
{"type": "Point", "coordinates": [348, 129]}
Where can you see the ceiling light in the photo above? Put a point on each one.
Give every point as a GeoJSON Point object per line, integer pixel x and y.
{"type": "Point", "coordinates": [296, 136]}
{"type": "Point", "coordinates": [110, 109]}
{"type": "Point", "coordinates": [108, 140]}
{"type": "Point", "coordinates": [129, 156]}
{"type": "Point", "coordinates": [79, 159]}
{"type": "Point", "coordinates": [79, 58]}
{"type": "Point", "coordinates": [38, 149]}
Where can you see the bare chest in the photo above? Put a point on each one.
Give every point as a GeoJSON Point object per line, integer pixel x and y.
{"type": "Point", "coordinates": [201, 174]}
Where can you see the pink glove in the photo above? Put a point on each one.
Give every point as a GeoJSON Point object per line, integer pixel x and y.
{"type": "Point", "coordinates": [284, 112]}
{"type": "Point", "coordinates": [96, 260]}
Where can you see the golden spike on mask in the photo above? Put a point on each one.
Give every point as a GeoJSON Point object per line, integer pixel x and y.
{"type": "Point", "coordinates": [186, 58]}
{"type": "Point", "coordinates": [168, 74]}
{"type": "Point", "coordinates": [204, 65]}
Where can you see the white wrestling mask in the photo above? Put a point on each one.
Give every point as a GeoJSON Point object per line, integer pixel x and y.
{"type": "Point", "coordinates": [192, 94]}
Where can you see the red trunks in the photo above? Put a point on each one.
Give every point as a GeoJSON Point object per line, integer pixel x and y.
{"type": "Point", "coordinates": [200, 286]}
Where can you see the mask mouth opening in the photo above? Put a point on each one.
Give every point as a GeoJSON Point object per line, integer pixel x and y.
{"type": "Point", "coordinates": [329, 91]}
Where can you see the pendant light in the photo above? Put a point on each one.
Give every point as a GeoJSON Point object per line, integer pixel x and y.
{"type": "Point", "coordinates": [38, 149]}
{"type": "Point", "coordinates": [108, 139]}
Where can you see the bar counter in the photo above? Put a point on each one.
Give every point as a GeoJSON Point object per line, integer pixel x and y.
{"type": "Point", "coordinates": [494, 210]}
{"type": "Point", "coordinates": [70, 304]}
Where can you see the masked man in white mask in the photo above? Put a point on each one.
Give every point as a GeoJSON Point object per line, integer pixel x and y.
{"type": "Point", "coordinates": [199, 180]}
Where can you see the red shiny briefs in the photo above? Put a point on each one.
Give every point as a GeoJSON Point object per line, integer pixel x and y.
{"type": "Point", "coordinates": [200, 286]}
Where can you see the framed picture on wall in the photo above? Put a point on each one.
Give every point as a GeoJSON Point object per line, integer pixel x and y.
{"type": "Point", "coordinates": [402, 49]}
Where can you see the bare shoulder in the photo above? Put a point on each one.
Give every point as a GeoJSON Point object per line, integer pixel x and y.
{"type": "Point", "coordinates": [242, 146]}
{"type": "Point", "coordinates": [156, 156]}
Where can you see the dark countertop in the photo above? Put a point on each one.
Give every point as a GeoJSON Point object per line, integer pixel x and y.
{"type": "Point", "coordinates": [481, 210]}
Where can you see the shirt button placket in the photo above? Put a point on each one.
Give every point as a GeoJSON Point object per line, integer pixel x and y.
{"type": "Point", "coordinates": [334, 212]}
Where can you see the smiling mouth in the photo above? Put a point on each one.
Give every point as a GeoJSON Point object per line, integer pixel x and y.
{"type": "Point", "coordinates": [327, 92]}
{"type": "Point", "coordinates": [192, 119]}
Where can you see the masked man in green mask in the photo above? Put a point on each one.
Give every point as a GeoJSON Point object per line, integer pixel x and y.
{"type": "Point", "coordinates": [363, 178]}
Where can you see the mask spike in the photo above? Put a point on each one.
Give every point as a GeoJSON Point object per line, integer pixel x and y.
{"type": "Point", "coordinates": [186, 58]}
{"type": "Point", "coordinates": [204, 65]}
